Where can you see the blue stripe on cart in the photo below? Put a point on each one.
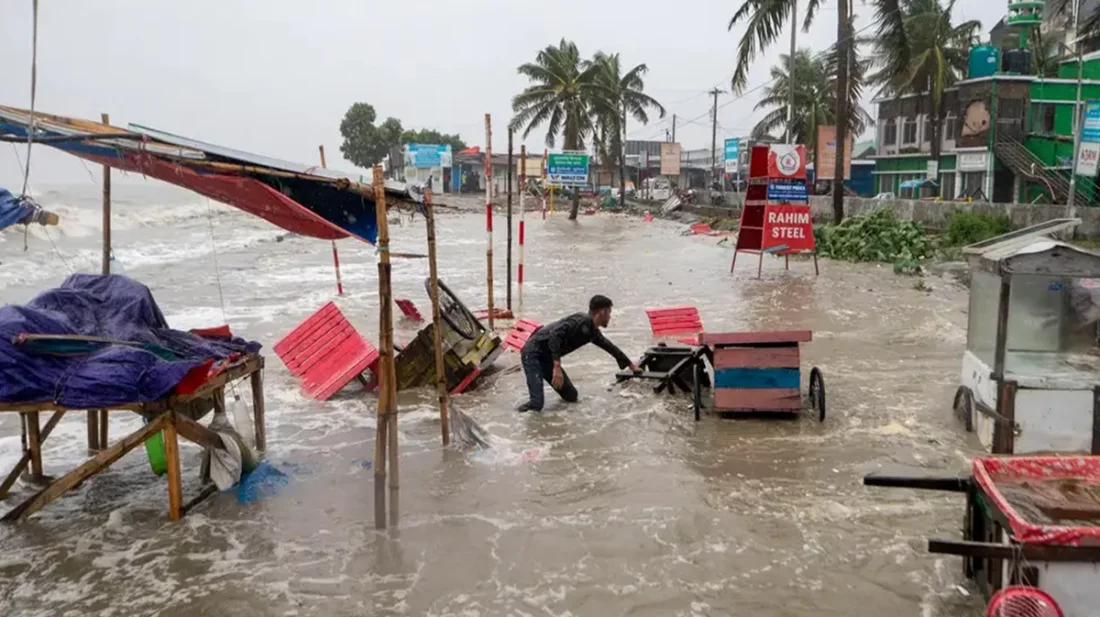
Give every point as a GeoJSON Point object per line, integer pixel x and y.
{"type": "Point", "coordinates": [750, 378]}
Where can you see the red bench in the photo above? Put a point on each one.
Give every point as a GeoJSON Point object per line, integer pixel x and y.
{"type": "Point", "coordinates": [675, 321]}
{"type": "Point", "coordinates": [326, 353]}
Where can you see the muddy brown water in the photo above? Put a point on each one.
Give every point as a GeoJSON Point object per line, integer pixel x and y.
{"type": "Point", "coordinates": [618, 505]}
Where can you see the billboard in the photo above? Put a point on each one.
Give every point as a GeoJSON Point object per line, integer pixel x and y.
{"type": "Point", "coordinates": [1088, 153]}
{"type": "Point", "coordinates": [427, 156]}
{"type": "Point", "coordinates": [670, 159]}
{"type": "Point", "coordinates": [732, 155]}
{"type": "Point", "coordinates": [567, 168]}
{"type": "Point", "coordinates": [826, 157]}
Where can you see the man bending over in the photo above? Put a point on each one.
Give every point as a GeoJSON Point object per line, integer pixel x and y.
{"type": "Point", "coordinates": [541, 356]}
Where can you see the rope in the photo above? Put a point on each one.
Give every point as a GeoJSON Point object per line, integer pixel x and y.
{"type": "Point", "coordinates": [218, 278]}
{"type": "Point", "coordinates": [34, 89]}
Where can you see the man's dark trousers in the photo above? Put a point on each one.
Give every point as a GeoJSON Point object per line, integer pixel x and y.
{"type": "Point", "coordinates": [538, 367]}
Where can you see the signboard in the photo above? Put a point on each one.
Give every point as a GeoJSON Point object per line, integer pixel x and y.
{"type": "Point", "coordinates": [787, 162]}
{"type": "Point", "coordinates": [670, 159]}
{"type": "Point", "coordinates": [534, 166]}
{"type": "Point", "coordinates": [733, 155]}
{"type": "Point", "coordinates": [427, 156]}
{"type": "Point", "coordinates": [788, 191]}
{"type": "Point", "coordinates": [826, 140]}
{"type": "Point", "coordinates": [933, 170]}
{"type": "Point", "coordinates": [567, 168]}
{"type": "Point", "coordinates": [1090, 132]}
{"type": "Point", "coordinates": [973, 161]}
{"type": "Point", "coordinates": [788, 229]}
{"type": "Point", "coordinates": [1088, 159]}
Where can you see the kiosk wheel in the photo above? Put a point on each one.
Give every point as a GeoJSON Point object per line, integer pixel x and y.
{"type": "Point", "coordinates": [964, 407]}
{"type": "Point", "coordinates": [817, 393]}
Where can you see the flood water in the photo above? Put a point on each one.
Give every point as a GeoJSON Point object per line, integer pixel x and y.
{"type": "Point", "coordinates": [618, 505]}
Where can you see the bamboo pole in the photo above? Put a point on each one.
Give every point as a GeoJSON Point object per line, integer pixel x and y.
{"type": "Point", "coordinates": [97, 432]}
{"type": "Point", "coordinates": [335, 254]}
{"type": "Point", "coordinates": [489, 212]}
{"type": "Point", "coordinates": [386, 439]}
{"type": "Point", "coordinates": [508, 266]}
{"type": "Point", "coordinates": [522, 209]}
{"type": "Point", "coordinates": [437, 325]}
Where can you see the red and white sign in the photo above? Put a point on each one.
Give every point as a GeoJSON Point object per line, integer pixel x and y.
{"type": "Point", "coordinates": [1088, 159]}
{"type": "Point", "coordinates": [787, 162]}
{"type": "Point", "coordinates": [788, 229]}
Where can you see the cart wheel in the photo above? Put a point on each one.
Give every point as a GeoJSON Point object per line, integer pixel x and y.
{"type": "Point", "coordinates": [817, 393]}
{"type": "Point", "coordinates": [455, 313]}
{"type": "Point", "coordinates": [964, 407]}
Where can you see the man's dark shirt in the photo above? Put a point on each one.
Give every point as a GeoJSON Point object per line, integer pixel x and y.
{"type": "Point", "coordinates": [565, 336]}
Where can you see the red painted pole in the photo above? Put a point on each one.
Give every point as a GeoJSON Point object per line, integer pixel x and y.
{"type": "Point", "coordinates": [489, 213]}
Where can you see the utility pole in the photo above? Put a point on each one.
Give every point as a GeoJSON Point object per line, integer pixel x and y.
{"type": "Point", "coordinates": [790, 74]}
{"type": "Point", "coordinates": [714, 133]}
{"type": "Point", "coordinates": [673, 128]}
{"type": "Point", "coordinates": [1078, 111]}
{"type": "Point", "coordinates": [844, 33]}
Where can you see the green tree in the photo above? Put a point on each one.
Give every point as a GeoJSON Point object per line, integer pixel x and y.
{"type": "Point", "coordinates": [933, 59]}
{"type": "Point", "coordinates": [560, 95]}
{"type": "Point", "coordinates": [619, 96]}
{"type": "Point", "coordinates": [765, 21]}
{"type": "Point", "coordinates": [814, 82]}
{"type": "Point", "coordinates": [364, 143]}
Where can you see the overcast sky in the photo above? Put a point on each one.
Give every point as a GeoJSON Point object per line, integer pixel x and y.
{"type": "Point", "coordinates": [276, 76]}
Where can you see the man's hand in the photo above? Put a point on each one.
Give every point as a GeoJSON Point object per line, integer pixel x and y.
{"type": "Point", "coordinates": [558, 378]}
{"type": "Point", "coordinates": [634, 368]}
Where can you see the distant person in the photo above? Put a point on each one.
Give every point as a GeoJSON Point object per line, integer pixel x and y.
{"type": "Point", "coordinates": [541, 356]}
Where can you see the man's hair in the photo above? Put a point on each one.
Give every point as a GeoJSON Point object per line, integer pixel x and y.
{"type": "Point", "coordinates": [598, 303]}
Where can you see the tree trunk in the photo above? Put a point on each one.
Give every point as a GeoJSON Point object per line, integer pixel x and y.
{"type": "Point", "coordinates": [844, 30]}
{"type": "Point", "coordinates": [574, 144]}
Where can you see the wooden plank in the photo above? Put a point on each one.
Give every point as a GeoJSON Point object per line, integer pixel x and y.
{"type": "Point", "coordinates": [257, 382]}
{"type": "Point", "coordinates": [757, 378]}
{"type": "Point", "coordinates": [34, 443]}
{"type": "Point", "coordinates": [757, 357]}
{"type": "Point", "coordinates": [1016, 552]}
{"type": "Point", "coordinates": [90, 468]}
{"type": "Point", "coordinates": [756, 338]}
{"type": "Point", "coordinates": [196, 433]}
{"type": "Point", "coordinates": [954, 484]}
{"type": "Point", "coordinates": [26, 458]}
{"type": "Point", "coordinates": [175, 477]}
{"type": "Point", "coordinates": [781, 399]}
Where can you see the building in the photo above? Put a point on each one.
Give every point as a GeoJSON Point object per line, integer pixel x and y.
{"type": "Point", "coordinates": [1023, 155]}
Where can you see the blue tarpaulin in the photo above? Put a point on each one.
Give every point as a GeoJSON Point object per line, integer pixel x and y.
{"type": "Point", "coordinates": [13, 209]}
{"type": "Point", "coordinates": [151, 364]}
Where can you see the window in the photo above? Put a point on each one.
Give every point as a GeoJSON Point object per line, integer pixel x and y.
{"type": "Point", "coordinates": [890, 133]}
{"type": "Point", "coordinates": [973, 181]}
{"type": "Point", "coordinates": [910, 134]}
{"type": "Point", "coordinates": [950, 128]}
{"type": "Point", "coordinates": [947, 185]}
{"type": "Point", "coordinates": [1042, 118]}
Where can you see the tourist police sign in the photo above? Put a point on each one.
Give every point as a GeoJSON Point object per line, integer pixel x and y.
{"type": "Point", "coordinates": [788, 229]}
{"type": "Point", "coordinates": [567, 168]}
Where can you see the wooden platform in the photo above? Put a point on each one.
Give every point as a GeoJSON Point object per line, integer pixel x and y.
{"type": "Point", "coordinates": [175, 415]}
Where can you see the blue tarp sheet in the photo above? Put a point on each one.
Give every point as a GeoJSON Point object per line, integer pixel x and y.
{"type": "Point", "coordinates": [12, 209]}
{"type": "Point", "coordinates": [108, 306]}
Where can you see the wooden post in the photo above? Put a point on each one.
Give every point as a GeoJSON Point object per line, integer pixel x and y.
{"type": "Point", "coordinates": [25, 460]}
{"type": "Point", "coordinates": [87, 470]}
{"type": "Point", "coordinates": [489, 212]}
{"type": "Point", "coordinates": [104, 433]}
{"type": "Point", "coordinates": [1003, 436]}
{"type": "Point", "coordinates": [437, 325]}
{"type": "Point", "coordinates": [34, 443]}
{"type": "Point", "coordinates": [257, 381]}
{"type": "Point", "coordinates": [522, 209]}
{"type": "Point", "coordinates": [387, 391]}
{"type": "Point", "coordinates": [175, 478]}
{"type": "Point", "coordinates": [509, 263]}
{"type": "Point", "coordinates": [97, 419]}
{"type": "Point", "coordinates": [335, 253]}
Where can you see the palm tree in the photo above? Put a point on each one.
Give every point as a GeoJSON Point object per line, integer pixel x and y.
{"type": "Point", "coordinates": [935, 57]}
{"type": "Point", "coordinates": [814, 79]}
{"type": "Point", "coordinates": [560, 95]}
{"type": "Point", "coordinates": [621, 95]}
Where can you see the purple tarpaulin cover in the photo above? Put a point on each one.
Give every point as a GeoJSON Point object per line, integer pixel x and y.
{"type": "Point", "coordinates": [108, 306]}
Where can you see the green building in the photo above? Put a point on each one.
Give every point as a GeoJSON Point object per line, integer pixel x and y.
{"type": "Point", "coordinates": [1024, 155]}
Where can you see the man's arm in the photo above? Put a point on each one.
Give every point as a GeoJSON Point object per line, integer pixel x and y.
{"type": "Point", "coordinates": [599, 340]}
